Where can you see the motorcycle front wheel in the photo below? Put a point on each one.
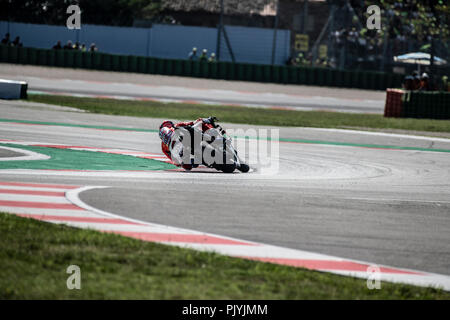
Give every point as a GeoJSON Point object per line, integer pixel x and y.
{"type": "Point", "coordinates": [244, 168]}
{"type": "Point", "coordinates": [227, 168]}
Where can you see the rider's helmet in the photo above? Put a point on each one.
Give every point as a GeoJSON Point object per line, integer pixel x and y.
{"type": "Point", "coordinates": [165, 124]}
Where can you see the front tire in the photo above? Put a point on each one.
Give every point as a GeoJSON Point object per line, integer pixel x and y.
{"type": "Point", "coordinates": [244, 168]}
{"type": "Point", "coordinates": [226, 168]}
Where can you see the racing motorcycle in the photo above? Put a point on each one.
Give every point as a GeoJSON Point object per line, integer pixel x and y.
{"type": "Point", "coordinates": [214, 142]}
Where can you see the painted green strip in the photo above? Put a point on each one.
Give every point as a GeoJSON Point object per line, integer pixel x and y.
{"type": "Point", "coordinates": [373, 146]}
{"type": "Point", "coordinates": [347, 144]}
{"type": "Point", "coordinates": [67, 159]}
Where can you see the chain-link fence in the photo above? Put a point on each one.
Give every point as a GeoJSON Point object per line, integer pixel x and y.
{"type": "Point", "coordinates": [331, 33]}
{"type": "Point", "coordinates": [345, 41]}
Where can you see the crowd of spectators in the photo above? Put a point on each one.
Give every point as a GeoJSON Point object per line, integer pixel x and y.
{"type": "Point", "coordinates": [6, 41]}
{"type": "Point", "coordinates": [302, 60]}
{"type": "Point", "coordinates": [203, 57]}
{"type": "Point", "coordinates": [75, 46]}
{"type": "Point", "coordinates": [418, 82]}
{"type": "Point", "coordinates": [407, 25]}
{"type": "Point", "coordinates": [423, 82]}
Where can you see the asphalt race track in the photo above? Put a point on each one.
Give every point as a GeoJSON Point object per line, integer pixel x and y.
{"type": "Point", "coordinates": [357, 201]}
{"type": "Point", "coordinates": [365, 196]}
{"type": "Point", "coordinates": [191, 90]}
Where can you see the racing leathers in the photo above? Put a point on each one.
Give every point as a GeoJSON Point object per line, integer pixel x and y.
{"type": "Point", "coordinates": [169, 145]}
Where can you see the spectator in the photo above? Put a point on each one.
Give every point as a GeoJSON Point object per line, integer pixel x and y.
{"type": "Point", "coordinates": [68, 45]}
{"type": "Point", "coordinates": [193, 54]}
{"type": "Point", "coordinates": [5, 40]}
{"type": "Point", "coordinates": [300, 60]}
{"type": "Point", "coordinates": [83, 48]}
{"type": "Point", "coordinates": [57, 46]}
{"type": "Point", "coordinates": [425, 83]}
{"type": "Point", "coordinates": [93, 48]}
{"type": "Point", "coordinates": [332, 63]}
{"type": "Point", "coordinates": [204, 56]}
{"type": "Point", "coordinates": [416, 83]}
{"type": "Point", "coordinates": [445, 84]}
{"type": "Point", "coordinates": [212, 58]}
{"type": "Point", "coordinates": [352, 35]}
{"type": "Point", "coordinates": [290, 61]}
{"type": "Point", "coordinates": [408, 83]}
{"type": "Point", "coordinates": [16, 42]}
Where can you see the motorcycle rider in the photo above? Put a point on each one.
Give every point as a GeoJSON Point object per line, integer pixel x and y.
{"type": "Point", "coordinates": [166, 134]}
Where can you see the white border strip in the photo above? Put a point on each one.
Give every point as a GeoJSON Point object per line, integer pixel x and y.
{"type": "Point", "coordinates": [381, 134]}
{"type": "Point", "coordinates": [29, 155]}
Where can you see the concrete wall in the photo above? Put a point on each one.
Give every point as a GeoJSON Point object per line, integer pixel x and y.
{"type": "Point", "coordinates": [252, 45]}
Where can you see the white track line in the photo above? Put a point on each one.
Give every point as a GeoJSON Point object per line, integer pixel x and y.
{"type": "Point", "coordinates": [28, 155]}
{"type": "Point", "coordinates": [12, 187]}
{"type": "Point", "coordinates": [116, 227]}
{"type": "Point", "coordinates": [38, 212]}
{"type": "Point", "coordinates": [381, 134]}
{"type": "Point", "coordinates": [32, 198]}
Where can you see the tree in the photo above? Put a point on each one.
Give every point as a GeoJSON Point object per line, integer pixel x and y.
{"type": "Point", "coordinates": [107, 12]}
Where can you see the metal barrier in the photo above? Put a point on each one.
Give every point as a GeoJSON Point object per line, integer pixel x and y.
{"type": "Point", "coordinates": [417, 104]}
{"type": "Point", "coordinates": [10, 89]}
{"type": "Point", "coordinates": [394, 103]}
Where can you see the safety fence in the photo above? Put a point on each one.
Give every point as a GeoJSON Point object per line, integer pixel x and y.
{"type": "Point", "coordinates": [417, 104]}
{"type": "Point", "coordinates": [168, 41]}
{"type": "Point", "coordinates": [214, 70]}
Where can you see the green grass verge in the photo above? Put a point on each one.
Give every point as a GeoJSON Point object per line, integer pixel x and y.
{"type": "Point", "coordinates": [232, 114]}
{"type": "Point", "coordinates": [34, 256]}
